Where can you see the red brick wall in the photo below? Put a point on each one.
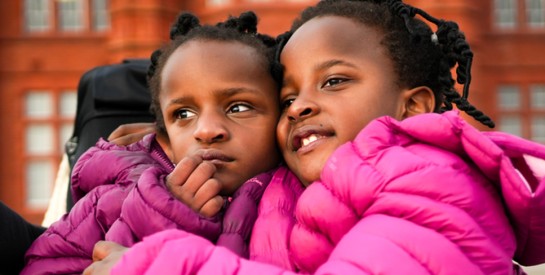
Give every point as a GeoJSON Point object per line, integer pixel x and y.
{"type": "Point", "coordinates": [140, 26]}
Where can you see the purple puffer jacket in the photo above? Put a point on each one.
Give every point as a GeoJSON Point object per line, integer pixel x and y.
{"type": "Point", "coordinates": [403, 197]}
{"type": "Point", "coordinates": [121, 197]}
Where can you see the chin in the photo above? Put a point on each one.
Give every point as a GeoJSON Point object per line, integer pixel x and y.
{"type": "Point", "coordinates": [309, 179]}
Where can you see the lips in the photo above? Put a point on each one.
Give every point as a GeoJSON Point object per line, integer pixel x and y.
{"type": "Point", "coordinates": [215, 156]}
{"type": "Point", "coordinates": [307, 135]}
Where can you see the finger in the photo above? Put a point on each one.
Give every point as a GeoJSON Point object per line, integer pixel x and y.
{"type": "Point", "coordinates": [202, 173]}
{"type": "Point", "coordinates": [104, 248]}
{"type": "Point", "coordinates": [182, 171]}
{"type": "Point", "coordinates": [89, 270]}
{"type": "Point", "coordinates": [127, 139]}
{"type": "Point", "coordinates": [206, 192]}
{"type": "Point", "coordinates": [132, 128]}
{"type": "Point", "coordinates": [212, 207]}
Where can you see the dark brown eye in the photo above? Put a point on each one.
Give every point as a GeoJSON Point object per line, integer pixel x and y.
{"type": "Point", "coordinates": [286, 103]}
{"type": "Point", "coordinates": [333, 81]}
{"type": "Point", "coordinates": [237, 108]}
{"type": "Point", "coordinates": [184, 114]}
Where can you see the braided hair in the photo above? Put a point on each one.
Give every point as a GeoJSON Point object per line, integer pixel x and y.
{"type": "Point", "coordinates": [242, 29]}
{"type": "Point", "coordinates": [420, 56]}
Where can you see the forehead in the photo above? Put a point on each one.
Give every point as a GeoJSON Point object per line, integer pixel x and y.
{"type": "Point", "coordinates": [335, 35]}
{"type": "Point", "coordinates": [211, 53]}
{"type": "Point", "coordinates": [209, 60]}
{"type": "Point", "coordinates": [202, 66]}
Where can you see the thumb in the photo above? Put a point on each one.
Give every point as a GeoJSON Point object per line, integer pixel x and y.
{"type": "Point", "coordinates": [104, 248]}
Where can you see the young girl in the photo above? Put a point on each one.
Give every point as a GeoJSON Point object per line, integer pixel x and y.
{"type": "Point", "coordinates": [216, 103]}
{"type": "Point", "coordinates": [414, 192]}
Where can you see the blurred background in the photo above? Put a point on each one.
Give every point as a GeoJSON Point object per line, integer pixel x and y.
{"type": "Point", "coordinates": [46, 46]}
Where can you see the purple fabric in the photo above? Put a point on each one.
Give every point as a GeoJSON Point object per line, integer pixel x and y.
{"type": "Point", "coordinates": [121, 197]}
{"type": "Point", "coordinates": [402, 197]}
{"type": "Point", "coordinates": [241, 214]}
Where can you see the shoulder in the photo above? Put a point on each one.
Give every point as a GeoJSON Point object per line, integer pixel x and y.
{"type": "Point", "coordinates": [107, 163]}
{"type": "Point", "coordinates": [141, 145]}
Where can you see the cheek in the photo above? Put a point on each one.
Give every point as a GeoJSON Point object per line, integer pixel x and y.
{"type": "Point", "coordinates": [282, 134]}
{"type": "Point", "coordinates": [178, 144]}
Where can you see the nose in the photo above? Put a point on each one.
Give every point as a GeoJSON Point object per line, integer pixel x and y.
{"type": "Point", "coordinates": [211, 129]}
{"type": "Point", "coordinates": [301, 108]}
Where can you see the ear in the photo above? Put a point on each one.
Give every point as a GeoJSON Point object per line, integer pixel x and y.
{"type": "Point", "coordinates": [416, 101]}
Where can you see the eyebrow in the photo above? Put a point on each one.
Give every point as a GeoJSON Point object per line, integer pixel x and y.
{"type": "Point", "coordinates": [180, 100]}
{"type": "Point", "coordinates": [331, 63]}
{"type": "Point", "coordinates": [223, 93]}
{"type": "Point", "coordinates": [229, 92]}
{"type": "Point", "coordinates": [323, 66]}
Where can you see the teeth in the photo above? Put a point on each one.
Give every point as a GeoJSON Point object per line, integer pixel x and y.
{"type": "Point", "coordinates": [308, 140]}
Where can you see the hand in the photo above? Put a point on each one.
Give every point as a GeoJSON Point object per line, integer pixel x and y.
{"type": "Point", "coordinates": [105, 257]}
{"type": "Point", "coordinates": [191, 182]}
{"type": "Point", "coordinates": [127, 134]}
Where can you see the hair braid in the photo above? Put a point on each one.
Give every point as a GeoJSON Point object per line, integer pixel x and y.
{"type": "Point", "coordinates": [185, 23]}
{"type": "Point", "coordinates": [458, 51]}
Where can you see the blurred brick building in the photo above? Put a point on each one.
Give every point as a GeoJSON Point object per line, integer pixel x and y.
{"type": "Point", "coordinates": [46, 45]}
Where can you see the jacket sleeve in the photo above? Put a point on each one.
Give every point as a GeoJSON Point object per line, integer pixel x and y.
{"type": "Point", "coordinates": [67, 245]}
{"type": "Point", "coordinates": [150, 208]}
{"type": "Point", "coordinates": [107, 163]}
{"type": "Point", "coordinates": [179, 252]}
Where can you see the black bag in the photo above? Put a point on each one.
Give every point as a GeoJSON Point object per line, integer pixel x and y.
{"type": "Point", "coordinates": [108, 96]}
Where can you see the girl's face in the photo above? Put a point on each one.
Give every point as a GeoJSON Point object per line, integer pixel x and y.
{"type": "Point", "coordinates": [220, 102]}
{"type": "Point", "coordinates": [337, 79]}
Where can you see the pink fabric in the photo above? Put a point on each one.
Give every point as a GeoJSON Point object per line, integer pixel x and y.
{"type": "Point", "coordinates": [123, 198]}
{"type": "Point", "coordinates": [402, 197]}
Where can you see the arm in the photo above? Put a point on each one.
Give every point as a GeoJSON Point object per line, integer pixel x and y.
{"type": "Point", "coordinates": [130, 133]}
{"type": "Point", "coordinates": [108, 164]}
{"type": "Point", "coordinates": [150, 200]}
{"type": "Point", "coordinates": [167, 253]}
{"type": "Point", "coordinates": [66, 247]}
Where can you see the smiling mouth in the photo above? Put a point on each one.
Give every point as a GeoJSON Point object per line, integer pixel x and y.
{"type": "Point", "coordinates": [306, 139]}
{"type": "Point", "coordinates": [310, 139]}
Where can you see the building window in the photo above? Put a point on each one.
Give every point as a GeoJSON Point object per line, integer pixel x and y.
{"type": "Point", "coordinates": [535, 14]}
{"type": "Point", "coordinates": [509, 104]}
{"type": "Point", "coordinates": [37, 15]}
{"type": "Point", "coordinates": [537, 93]}
{"type": "Point", "coordinates": [76, 16]}
{"type": "Point", "coordinates": [537, 110]}
{"type": "Point", "coordinates": [505, 13]}
{"type": "Point", "coordinates": [49, 119]}
{"type": "Point", "coordinates": [538, 129]}
{"type": "Point", "coordinates": [509, 97]}
{"type": "Point", "coordinates": [511, 124]}
{"type": "Point", "coordinates": [71, 15]}
{"type": "Point", "coordinates": [101, 16]}
{"type": "Point", "coordinates": [522, 110]}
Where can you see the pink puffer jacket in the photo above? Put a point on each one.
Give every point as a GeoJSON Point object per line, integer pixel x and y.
{"type": "Point", "coordinates": [402, 197]}
{"type": "Point", "coordinates": [121, 196]}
